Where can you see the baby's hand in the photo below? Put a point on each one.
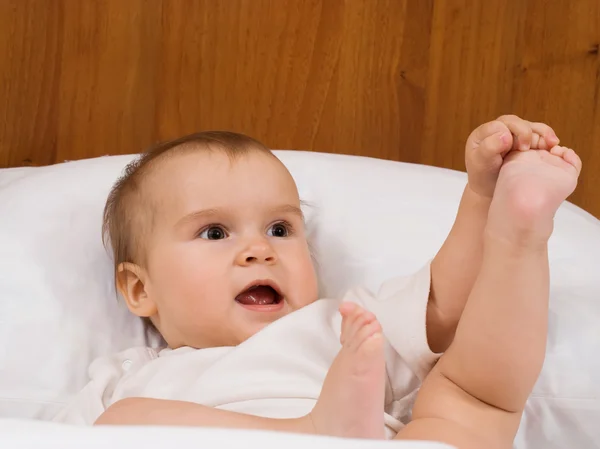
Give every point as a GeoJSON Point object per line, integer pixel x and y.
{"type": "Point", "coordinates": [489, 143]}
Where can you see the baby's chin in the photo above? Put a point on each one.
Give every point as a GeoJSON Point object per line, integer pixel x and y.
{"type": "Point", "coordinates": [257, 323]}
{"type": "Point", "coordinates": [247, 325]}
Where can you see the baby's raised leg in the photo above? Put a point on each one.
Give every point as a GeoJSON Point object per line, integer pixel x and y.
{"type": "Point", "coordinates": [475, 395]}
{"type": "Point", "coordinates": [352, 398]}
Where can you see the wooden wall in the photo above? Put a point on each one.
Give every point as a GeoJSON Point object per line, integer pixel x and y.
{"type": "Point", "coordinates": [398, 79]}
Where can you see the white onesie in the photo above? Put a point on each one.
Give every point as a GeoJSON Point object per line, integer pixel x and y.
{"type": "Point", "coordinates": [278, 372]}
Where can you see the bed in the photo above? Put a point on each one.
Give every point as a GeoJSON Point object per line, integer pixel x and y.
{"type": "Point", "coordinates": [368, 220]}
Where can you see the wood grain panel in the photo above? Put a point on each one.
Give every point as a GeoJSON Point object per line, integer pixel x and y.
{"type": "Point", "coordinates": [108, 71]}
{"type": "Point", "coordinates": [255, 67]}
{"type": "Point", "coordinates": [361, 109]}
{"type": "Point", "coordinates": [558, 80]}
{"type": "Point", "coordinates": [471, 73]}
{"type": "Point", "coordinates": [30, 46]}
{"type": "Point", "coordinates": [399, 79]}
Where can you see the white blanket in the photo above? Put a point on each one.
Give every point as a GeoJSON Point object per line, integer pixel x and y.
{"type": "Point", "coordinates": [26, 434]}
{"type": "Point", "coordinates": [58, 309]}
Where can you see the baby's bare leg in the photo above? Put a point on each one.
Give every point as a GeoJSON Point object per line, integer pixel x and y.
{"type": "Point", "coordinates": [475, 395]}
{"type": "Point", "coordinates": [352, 398]}
{"type": "Point", "coordinates": [457, 264]}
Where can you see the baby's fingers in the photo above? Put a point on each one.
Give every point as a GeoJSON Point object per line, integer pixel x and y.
{"type": "Point", "coordinates": [546, 137]}
{"type": "Point", "coordinates": [529, 135]}
{"type": "Point", "coordinates": [521, 129]}
{"type": "Point", "coordinates": [491, 138]}
{"type": "Point", "coordinates": [494, 144]}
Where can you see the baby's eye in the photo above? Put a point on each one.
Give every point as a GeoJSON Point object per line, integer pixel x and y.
{"type": "Point", "coordinates": [278, 230]}
{"type": "Point", "coordinates": [213, 233]}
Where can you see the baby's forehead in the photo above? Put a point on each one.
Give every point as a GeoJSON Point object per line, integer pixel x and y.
{"type": "Point", "coordinates": [195, 179]}
{"type": "Point", "coordinates": [174, 174]}
{"type": "Point", "coordinates": [192, 159]}
{"type": "Point", "coordinates": [212, 167]}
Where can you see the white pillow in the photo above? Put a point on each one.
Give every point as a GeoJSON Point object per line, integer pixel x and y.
{"type": "Point", "coordinates": [369, 220]}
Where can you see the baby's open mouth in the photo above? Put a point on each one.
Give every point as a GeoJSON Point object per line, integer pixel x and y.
{"type": "Point", "coordinates": [259, 295]}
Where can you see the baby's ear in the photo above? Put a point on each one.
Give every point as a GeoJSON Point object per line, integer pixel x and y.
{"type": "Point", "coordinates": [131, 282]}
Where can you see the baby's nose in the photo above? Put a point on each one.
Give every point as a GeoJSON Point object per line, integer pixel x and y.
{"type": "Point", "coordinates": [257, 252]}
{"type": "Point", "coordinates": [251, 259]}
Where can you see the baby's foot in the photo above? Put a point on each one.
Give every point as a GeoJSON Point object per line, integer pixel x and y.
{"type": "Point", "coordinates": [531, 186]}
{"type": "Point", "coordinates": [352, 397]}
{"type": "Point", "coordinates": [489, 144]}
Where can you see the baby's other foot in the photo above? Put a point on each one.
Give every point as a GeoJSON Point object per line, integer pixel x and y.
{"type": "Point", "coordinates": [530, 188]}
{"type": "Point", "coordinates": [490, 143]}
{"type": "Point", "coordinates": [352, 399]}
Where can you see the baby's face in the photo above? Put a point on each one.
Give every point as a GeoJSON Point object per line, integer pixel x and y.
{"type": "Point", "coordinates": [227, 253]}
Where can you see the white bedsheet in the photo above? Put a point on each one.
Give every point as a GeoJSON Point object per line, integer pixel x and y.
{"type": "Point", "coordinates": [369, 220]}
{"type": "Point", "coordinates": [25, 434]}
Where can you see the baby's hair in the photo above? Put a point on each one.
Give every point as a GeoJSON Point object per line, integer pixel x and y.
{"type": "Point", "coordinates": [128, 213]}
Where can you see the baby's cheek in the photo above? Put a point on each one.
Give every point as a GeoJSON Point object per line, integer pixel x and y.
{"type": "Point", "coordinates": [307, 279]}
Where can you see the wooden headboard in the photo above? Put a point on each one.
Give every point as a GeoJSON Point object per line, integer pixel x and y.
{"type": "Point", "coordinates": [399, 79]}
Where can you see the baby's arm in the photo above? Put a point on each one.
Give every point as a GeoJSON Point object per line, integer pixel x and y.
{"type": "Point", "coordinates": [148, 411]}
{"type": "Point", "coordinates": [455, 267]}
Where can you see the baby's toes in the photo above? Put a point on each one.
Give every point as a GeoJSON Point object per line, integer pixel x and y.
{"type": "Point", "coordinates": [367, 338]}
{"type": "Point", "coordinates": [352, 324]}
{"type": "Point", "coordinates": [345, 310]}
{"type": "Point", "coordinates": [573, 158]}
{"type": "Point", "coordinates": [568, 155]}
{"type": "Point", "coordinates": [350, 313]}
{"type": "Point", "coordinates": [558, 151]}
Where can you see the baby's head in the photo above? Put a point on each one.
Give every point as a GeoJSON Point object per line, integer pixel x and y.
{"type": "Point", "coordinates": [208, 240]}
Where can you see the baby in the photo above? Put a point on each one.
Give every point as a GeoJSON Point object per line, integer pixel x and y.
{"type": "Point", "coordinates": [209, 246]}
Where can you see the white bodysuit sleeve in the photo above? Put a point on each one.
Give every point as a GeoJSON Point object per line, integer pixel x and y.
{"type": "Point", "coordinates": [105, 373]}
{"type": "Point", "coordinates": [400, 305]}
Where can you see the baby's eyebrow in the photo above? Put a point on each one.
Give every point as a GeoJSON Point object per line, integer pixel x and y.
{"type": "Point", "coordinates": [288, 209]}
{"type": "Point", "coordinates": [205, 214]}
{"type": "Point", "coordinates": [199, 214]}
